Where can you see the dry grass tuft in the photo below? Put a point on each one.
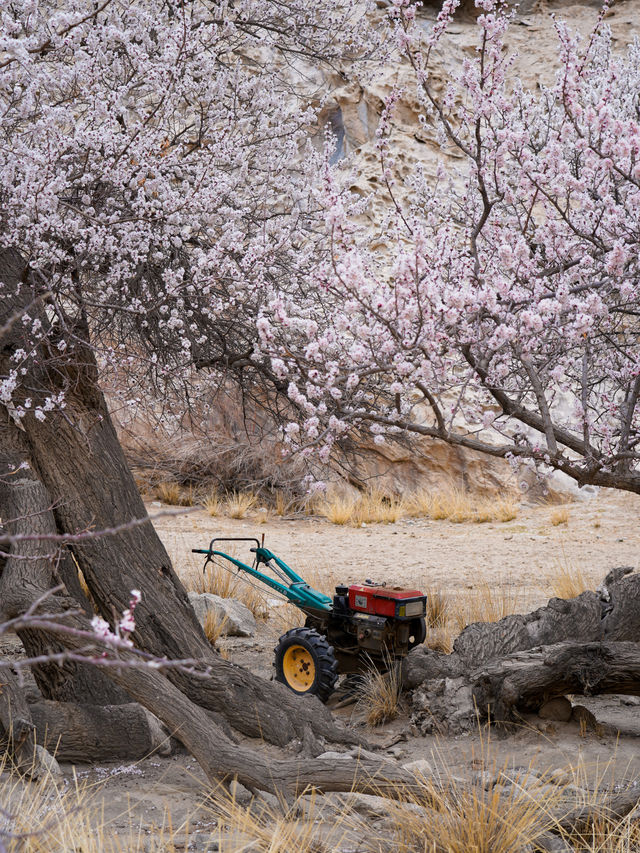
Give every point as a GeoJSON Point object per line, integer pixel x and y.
{"type": "Point", "coordinates": [214, 626]}
{"type": "Point", "coordinates": [568, 582]}
{"type": "Point", "coordinates": [174, 494]}
{"type": "Point", "coordinates": [269, 829]}
{"type": "Point", "coordinates": [465, 818]}
{"type": "Point", "coordinates": [376, 507]}
{"type": "Point", "coordinates": [379, 694]}
{"type": "Point", "coordinates": [370, 507]}
{"type": "Point", "coordinates": [437, 609]}
{"type": "Point", "coordinates": [448, 615]}
{"type": "Point", "coordinates": [168, 493]}
{"type": "Point", "coordinates": [338, 509]}
{"type": "Point", "coordinates": [281, 503]}
{"type": "Point", "coordinates": [486, 604]}
{"type": "Point", "coordinates": [213, 504]}
{"type": "Point", "coordinates": [239, 504]}
{"type": "Point", "coordinates": [559, 515]}
{"type": "Point", "coordinates": [456, 505]}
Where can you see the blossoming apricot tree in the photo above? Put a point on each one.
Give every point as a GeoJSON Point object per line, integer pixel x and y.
{"type": "Point", "coordinates": [508, 298]}
{"type": "Point", "coordinates": [155, 187]}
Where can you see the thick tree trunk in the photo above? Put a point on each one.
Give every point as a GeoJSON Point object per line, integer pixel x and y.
{"type": "Point", "coordinates": [525, 681]}
{"type": "Point", "coordinates": [80, 462]}
{"type": "Point", "coordinates": [38, 565]}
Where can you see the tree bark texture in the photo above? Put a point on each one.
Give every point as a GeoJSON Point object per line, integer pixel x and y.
{"type": "Point", "coordinates": [19, 730]}
{"type": "Point", "coordinates": [35, 567]}
{"type": "Point", "coordinates": [88, 733]}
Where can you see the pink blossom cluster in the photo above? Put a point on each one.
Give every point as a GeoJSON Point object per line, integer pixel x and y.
{"type": "Point", "coordinates": [120, 636]}
{"type": "Point", "coordinates": [157, 174]}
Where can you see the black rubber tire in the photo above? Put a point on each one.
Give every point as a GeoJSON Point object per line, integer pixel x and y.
{"type": "Point", "coordinates": [326, 665]}
{"type": "Point", "coordinates": [417, 632]}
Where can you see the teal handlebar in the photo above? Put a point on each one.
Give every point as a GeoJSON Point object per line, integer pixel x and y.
{"type": "Point", "coordinates": [298, 592]}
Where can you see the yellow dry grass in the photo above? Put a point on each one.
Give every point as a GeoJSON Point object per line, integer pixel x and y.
{"type": "Point", "coordinates": [174, 494]}
{"type": "Point", "coordinates": [485, 603]}
{"type": "Point", "coordinates": [379, 694]}
{"type": "Point", "coordinates": [214, 626]}
{"type": "Point", "coordinates": [559, 515]}
{"type": "Point", "coordinates": [266, 829]}
{"type": "Point", "coordinates": [452, 504]}
{"type": "Point", "coordinates": [371, 507]}
{"type": "Point", "coordinates": [466, 818]}
{"type": "Point", "coordinates": [457, 815]}
{"type": "Point", "coordinates": [448, 614]}
{"type": "Point", "coordinates": [239, 504]}
{"type": "Point", "coordinates": [568, 582]}
{"type": "Point", "coordinates": [213, 504]}
{"type": "Point", "coordinates": [455, 505]}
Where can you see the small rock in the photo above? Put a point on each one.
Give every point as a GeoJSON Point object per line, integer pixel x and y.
{"type": "Point", "coordinates": [240, 620]}
{"type": "Point", "coordinates": [273, 803]}
{"type": "Point", "coordinates": [558, 709]}
{"type": "Point", "coordinates": [420, 767]}
{"type": "Point", "coordinates": [632, 701]}
{"type": "Point", "coordinates": [549, 843]}
{"type": "Point", "coordinates": [396, 752]}
{"type": "Point", "coordinates": [583, 715]}
{"type": "Point", "coordinates": [44, 764]}
{"type": "Point", "coordinates": [560, 776]}
{"type": "Point", "coordinates": [239, 793]}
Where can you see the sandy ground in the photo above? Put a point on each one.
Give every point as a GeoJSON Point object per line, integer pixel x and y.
{"type": "Point", "coordinates": [525, 554]}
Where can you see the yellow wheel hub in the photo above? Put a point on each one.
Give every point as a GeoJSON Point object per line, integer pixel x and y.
{"type": "Point", "coordinates": [298, 668]}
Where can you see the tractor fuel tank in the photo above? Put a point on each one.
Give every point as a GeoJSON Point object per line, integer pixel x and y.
{"type": "Point", "coordinates": [393, 601]}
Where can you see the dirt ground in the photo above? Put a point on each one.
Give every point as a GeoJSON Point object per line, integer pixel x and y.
{"type": "Point", "coordinates": [523, 555]}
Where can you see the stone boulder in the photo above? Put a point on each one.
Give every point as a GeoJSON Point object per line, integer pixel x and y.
{"type": "Point", "coordinates": [240, 621]}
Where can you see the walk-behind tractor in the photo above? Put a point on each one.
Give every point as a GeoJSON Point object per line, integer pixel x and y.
{"type": "Point", "coordinates": [363, 624]}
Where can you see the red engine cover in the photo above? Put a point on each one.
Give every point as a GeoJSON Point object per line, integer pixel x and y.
{"type": "Point", "coordinates": [387, 601]}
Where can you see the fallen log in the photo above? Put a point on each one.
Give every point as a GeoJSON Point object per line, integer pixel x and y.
{"type": "Point", "coordinates": [585, 645]}
{"type": "Point", "coordinates": [87, 733]}
{"type": "Point", "coordinates": [525, 681]}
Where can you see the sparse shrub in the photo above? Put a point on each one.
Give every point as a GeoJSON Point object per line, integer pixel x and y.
{"type": "Point", "coordinates": [379, 694]}
{"type": "Point", "coordinates": [560, 515]}
{"type": "Point", "coordinates": [238, 504]}
{"type": "Point", "coordinates": [214, 626]}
